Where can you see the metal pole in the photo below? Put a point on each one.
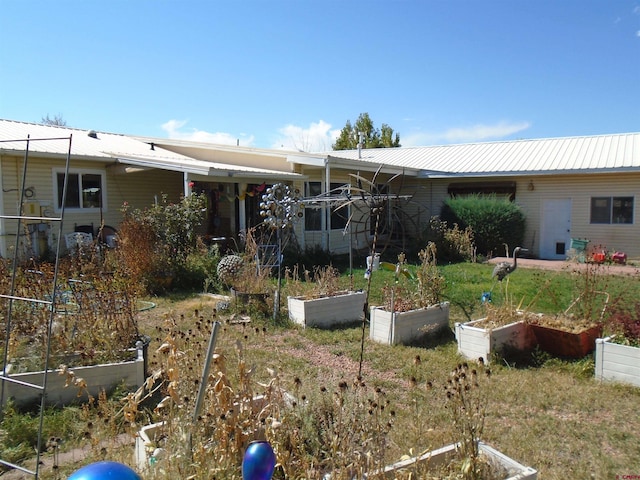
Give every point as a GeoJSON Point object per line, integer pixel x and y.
{"type": "Point", "coordinates": [205, 371]}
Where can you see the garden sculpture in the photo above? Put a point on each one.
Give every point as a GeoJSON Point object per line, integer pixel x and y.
{"type": "Point", "coordinates": [502, 269]}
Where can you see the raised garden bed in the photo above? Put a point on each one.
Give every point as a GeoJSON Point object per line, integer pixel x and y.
{"type": "Point", "coordinates": [564, 343]}
{"type": "Point", "coordinates": [61, 391]}
{"type": "Point", "coordinates": [327, 311]}
{"type": "Point", "coordinates": [405, 327]}
{"type": "Point", "coordinates": [479, 339]}
{"type": "Point", "coordinates": [440, 457]}
{"type": "Point", "coordinates": [617, 363]}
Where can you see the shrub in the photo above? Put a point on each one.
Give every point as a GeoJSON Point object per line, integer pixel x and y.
{"type": "Point", "coordinates": [453, 243]}
{"type": "Point", "coordinates": [495, 221]}
{"type": "Point", "coordinates": [625, 322]}
{"type": "Point", "coordinates": [158, 240]}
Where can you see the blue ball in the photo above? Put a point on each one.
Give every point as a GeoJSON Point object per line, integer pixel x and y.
{"type": "Point", "coordinates": [105, 471]}
{"type": "Point", "coordinates": [259, 461]}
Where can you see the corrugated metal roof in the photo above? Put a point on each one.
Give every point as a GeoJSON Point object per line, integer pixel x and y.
{"type": "Point", "coordinates": [599, 153]}
{"type": "Point", "coordinates": [115, 147]}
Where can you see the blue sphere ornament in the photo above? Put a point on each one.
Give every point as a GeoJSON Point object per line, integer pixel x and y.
{"type": "Point", "coordinates": [105, 471]}
{"type": "Point", "coordinates": [259, 461]}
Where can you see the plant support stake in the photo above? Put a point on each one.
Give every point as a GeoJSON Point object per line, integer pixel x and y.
{"type": "Point", "coordinates": [205, 374]}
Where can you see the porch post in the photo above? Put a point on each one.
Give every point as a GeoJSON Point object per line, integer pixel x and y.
{"type": "Point", "coordinates": [326, 210]}
{"type": "Point", "coordinates": [242, 214]}
{"type": "Point", "coordinates": [186, 187]}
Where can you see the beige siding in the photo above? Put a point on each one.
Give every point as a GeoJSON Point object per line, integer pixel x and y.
{"type": "Point", "coordinates": [580, 189]}
{"type": "Point", "coordinates": [138, 189]}
{"type": "Point", "coordinates": [428, 196]}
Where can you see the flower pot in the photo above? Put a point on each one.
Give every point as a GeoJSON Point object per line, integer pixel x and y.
{"type": "Point", "coordinates": [440, 457]}
{"type": "Point", "coordinates": [617, 363]}
{"type": "Point", "coordinates": [406, 327]}
{"type": "Point", "coordinates": [563, 343]}
{"type": "Point", "coordinates": [476, 341]}
{"type": "Point", "coordinates": [329, 311]}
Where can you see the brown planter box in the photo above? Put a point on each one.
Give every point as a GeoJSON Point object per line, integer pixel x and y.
{"type": "Point", "coordinates": [567, 344]}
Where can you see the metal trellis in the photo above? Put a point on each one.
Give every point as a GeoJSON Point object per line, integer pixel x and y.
{"type": "Point", "coordinates": [49, 300]}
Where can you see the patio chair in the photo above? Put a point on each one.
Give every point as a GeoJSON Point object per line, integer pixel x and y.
{"type": "Point", "coordinates": [77, 241]}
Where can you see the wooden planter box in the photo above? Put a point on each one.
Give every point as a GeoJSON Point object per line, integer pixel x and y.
{"type": "Point", "coordinates": [441, 456]}
{"type": "Point", "coordinates": [326, 312]}
{"type": "Point", "coordinates": [475, 342]}
{"type": "Point", "coordinates": [566, 344]}
{"type": "Point", "coordinates": [617, 363]}
{"type": "Point", "coordinates": [97, 377]}
{"type": "Point", "coordinates": [406, 327]}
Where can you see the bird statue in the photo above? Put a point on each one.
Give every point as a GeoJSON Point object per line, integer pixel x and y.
{"type": "Point", "coordinates": [502, 269]}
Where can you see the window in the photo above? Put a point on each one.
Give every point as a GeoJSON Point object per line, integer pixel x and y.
{"type": "Point", "coordinates": [313, 213]}
{"type": "Point", "coordinates": [611, 210]}
{"type": "Point", "coordinates": [500, 189]}
{"type": "Point", "coordinates": [85, 190]}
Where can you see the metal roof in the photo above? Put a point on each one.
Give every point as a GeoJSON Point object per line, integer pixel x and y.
{"type": "Point", "coordinates": [601, 153]}
{"type": "Point", "coordinates": [118, 148]}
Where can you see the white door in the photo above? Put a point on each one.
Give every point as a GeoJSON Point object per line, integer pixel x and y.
{"type": "Point", "coordinates": [555, 229]}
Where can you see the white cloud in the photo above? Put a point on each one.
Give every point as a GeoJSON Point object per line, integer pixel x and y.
{"type": "Point", "coordinates": [173, 129]}
{"type": "Point", "coordinates": [472, 133]}
{"type": "Point", "coordinates": [317, 137]}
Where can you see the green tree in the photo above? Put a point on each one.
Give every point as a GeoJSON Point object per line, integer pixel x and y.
{"type": "Point", "coordinates": [372, 137]}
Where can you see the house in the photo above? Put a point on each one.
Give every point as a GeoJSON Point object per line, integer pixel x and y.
{"type": "Point", "coordinates": [107, 170]}
{"type": "Point", "coordinates": [577, 187]}
{"type": "Point", "coordinates": [568, 188]}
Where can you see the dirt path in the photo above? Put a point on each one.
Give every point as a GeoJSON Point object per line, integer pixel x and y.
{"type": "Point", "coordinates": [70, 457]}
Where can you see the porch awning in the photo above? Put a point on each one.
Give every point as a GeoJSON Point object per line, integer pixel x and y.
{"type": "Point", "coordinates": [206, 168]}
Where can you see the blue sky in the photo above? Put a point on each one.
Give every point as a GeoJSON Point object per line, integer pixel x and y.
{"type": "Point", "coordinates": [290, 73]}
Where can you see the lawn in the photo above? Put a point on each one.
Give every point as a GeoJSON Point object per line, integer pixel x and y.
{"type": "Point", "coordinates": [546, 413]}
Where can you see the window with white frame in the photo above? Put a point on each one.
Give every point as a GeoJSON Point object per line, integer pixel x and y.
{"type": "Point", "coordinates": [313, 214]}
{"type": "Point", "coordinates": [85, 189]}
{"type": "Point", "coordinates": [612, 210]}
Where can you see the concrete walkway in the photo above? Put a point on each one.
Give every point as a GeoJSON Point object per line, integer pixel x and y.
{"type": "Point", "coordinates": [569, 266]}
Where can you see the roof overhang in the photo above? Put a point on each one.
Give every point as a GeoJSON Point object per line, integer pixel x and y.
{"type": "Point", "coordinates": [209, 169]}
{"type": "Point", "coordinates": [348, 164]}
{"type": "Point", "coordinates": [524, 173]}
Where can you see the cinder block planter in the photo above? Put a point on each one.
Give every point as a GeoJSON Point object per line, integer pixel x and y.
{"type": "Point", "coordinates": [326, 312]}
{"type": "Point", "coordinates": [442, 456]}
{"type": "Point", "coordinates": [617, 363]}
{"type": "Point", "coordinates": [405, 327]}
{"type": "Point", "coordinates": [474, 341]}
{"type": "Point", "coordinates": [97, 377]}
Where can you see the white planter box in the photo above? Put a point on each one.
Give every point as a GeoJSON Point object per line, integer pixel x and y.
{"type": "Point", "coordinates": [97, 377]}
{"type": "Point", "coordinates": [618, 363]}
{"type": "Point", "coordinates": [475, 342]}
{"type": "Point", "coordinates": [405, 327]}
{"type": "Point", "coordinates": [436, 458]}
{"type": "Point", "coordinates": [146, 446]}
{"type": "Point", "coordinates": [327, 311]}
